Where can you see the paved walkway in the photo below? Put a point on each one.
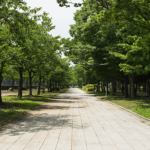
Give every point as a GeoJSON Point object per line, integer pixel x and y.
{"type": "Point", "coordinates": [77, 121]}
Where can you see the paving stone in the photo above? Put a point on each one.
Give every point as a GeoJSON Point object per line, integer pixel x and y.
{"type": "Point", "coordinates": [109, 147]}
{"type": "Point", "coordinates": [78, 121]}
{"type": "Point", "coordinates": [48, 147]}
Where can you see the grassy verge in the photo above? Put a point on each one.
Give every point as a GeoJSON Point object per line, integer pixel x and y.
{"type": "Point", "coordinates": [140, 106]}
{"type": "Point", "coordinates": [14, 107]}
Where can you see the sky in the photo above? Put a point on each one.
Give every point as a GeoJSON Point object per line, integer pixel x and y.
{"type": "Point", "coordinates": [62, 17]}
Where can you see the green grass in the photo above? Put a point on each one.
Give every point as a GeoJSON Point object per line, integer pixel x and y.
{"type": "Point", "coordinates": [13, 107]}
{"type": "Point", "coordinates": [140, 106]}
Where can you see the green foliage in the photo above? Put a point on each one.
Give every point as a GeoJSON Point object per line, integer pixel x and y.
{"type": "Point", "coordinates": [90, 85]}
{"type": "Point", "coordinates": [110, 39]}
{"type": "Point", "coordinates": [10, 89]}
{"type": "Point", "coordinates": [28, 48]}
{"type": "Point", "coordinates": [90, 89]}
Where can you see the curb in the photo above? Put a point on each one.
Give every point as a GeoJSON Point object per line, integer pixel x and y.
{"type": "Point", "coordinates": [125, 109]}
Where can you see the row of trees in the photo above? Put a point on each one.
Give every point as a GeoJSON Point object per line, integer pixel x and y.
{"type": "Point", "coordinates": [110, 39]}
{"type": "Point", "coordinates": [27, 49]}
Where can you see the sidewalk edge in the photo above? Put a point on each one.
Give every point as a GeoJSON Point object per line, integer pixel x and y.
{"type": "Point", "coordinates": [126, 109]}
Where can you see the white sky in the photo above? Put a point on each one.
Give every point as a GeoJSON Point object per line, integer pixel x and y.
{"type": "Point", "coordinates": [62, 17]}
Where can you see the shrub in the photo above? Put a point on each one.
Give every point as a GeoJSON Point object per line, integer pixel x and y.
{"type": "Point", "coordinates": [41, 87]}
{"type": "Point", "coordinates": [89, 85]}
{"type": "Point", "coordinates": [10, 89]}
{"type": "Point", "coordinates": [90, 89]}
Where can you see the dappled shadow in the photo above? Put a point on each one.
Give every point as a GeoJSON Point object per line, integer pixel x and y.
{"type": "Point", "coordinates": [60, 101]}
{"type": "Point", "coordinates": [42, 118]}
{"type": "Point", "coordinates": [55, 107]}
{"type": "Point", "coordinates": [67, 97]}
{"type": "Point", "coordinates": [43, 122]}
{"type": "Point", "coordinates": [91, 95]}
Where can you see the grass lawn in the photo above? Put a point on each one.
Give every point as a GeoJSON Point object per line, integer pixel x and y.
{"type": "Point", "coordinates": [138, 105]}
{"type": "Point", "coordinates": [14, 107]}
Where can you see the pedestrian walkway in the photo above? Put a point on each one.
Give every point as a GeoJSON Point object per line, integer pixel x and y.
{"type": "Point", "coordinates": [76, 121]}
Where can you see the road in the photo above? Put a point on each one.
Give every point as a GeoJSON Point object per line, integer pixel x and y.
{"type": "Point", "coordinates": [76, 121]}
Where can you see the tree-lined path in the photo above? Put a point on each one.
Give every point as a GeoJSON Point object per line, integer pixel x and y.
{"type": "Point", "coordinates": [76, 121]}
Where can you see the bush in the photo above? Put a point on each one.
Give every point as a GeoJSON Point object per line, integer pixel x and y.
{"type": "Point", "coordinates": [41, 87]}
{"type": "Point", "coordinates": [23, 88]}
{"type": "Point", "coordinates": [90, 89]}
{"type": "Point", "coordinates": [89, 85]}
{"type": "Point", "coordinates": [10, 89]}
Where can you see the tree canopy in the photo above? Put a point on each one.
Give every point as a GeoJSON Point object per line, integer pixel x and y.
{"type": "Point", "coordinates": [27, 48]}
{"type": "Point", "coordinates": [111, 38]}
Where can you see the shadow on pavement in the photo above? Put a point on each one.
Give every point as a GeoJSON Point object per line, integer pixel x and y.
{"type": "Point", "coordinates": [41, 117]}
{"type": "Point", "coordinates": [43, 122]}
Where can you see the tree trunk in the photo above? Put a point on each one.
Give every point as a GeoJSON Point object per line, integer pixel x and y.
{"type": "Point", "coordinates": [12, 85]}
{"type": "Point", "coordinates": [30, 84]}
{"type": "Point", "coordinates": [122, 89]}
{"type": "Point", "coordinates": [112, 88]}
{"type": "Point", "coordinates": [1, 79]}
{"type": "Point", "coordinates": [39, 86]}
{"type": "Point", "coordinates": [50, 85]}
{"type": "Point", "coordinates": [148, 88]}
{"type": "Point", "coordinates": [58, 86]}
{"type": "Point", "coordinates": [27, 84]}
{"type": "Point", "coordinates": [43, 86]}
{"type": "Point", "coordinates": [55, 86]}
{"type": "Point", "coordinates": [119, 85]}
{"type": "Point", "coordinates": [144, 88]}
{"type": "Point", "coordinates": [103, 87]}
{"type": "Point", "coordinates": [136, 89]}
{"type": "Point", "coordinates": [20, 82]}
{"type": "Point", "coordinates": [132, 90]}
{"type": "Point", "coordinates": [98, 87]}
{"type": "Point", "coordinates": [129, 86]}
{"type": "Point", "coordinates": [115, 89]}
{"type": "Point", "coordinates": [125, 87]}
